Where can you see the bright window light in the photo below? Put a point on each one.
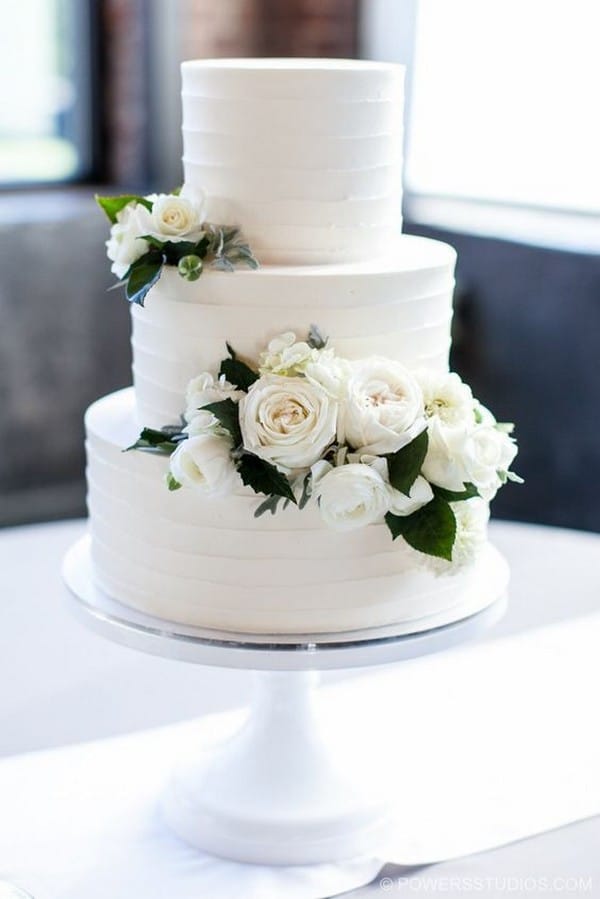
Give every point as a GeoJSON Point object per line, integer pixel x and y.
{"type": "Point", "coordinates": [505, 103]}
{"type": "Point", "coordinates": [38, 140]}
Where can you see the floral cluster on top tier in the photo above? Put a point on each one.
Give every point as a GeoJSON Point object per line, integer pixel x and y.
{"type": "Point", "coordinates": [150, 232]}
{"type": "Point", "coordinates": [368, 440]}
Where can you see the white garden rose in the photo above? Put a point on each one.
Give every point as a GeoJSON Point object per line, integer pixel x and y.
{"type": "Point", "coordinates": [287, 421]}
{"type": "Point", "coordinates": [125, 246]}
{"type": "Point", "coordinates": [382, 407]}
{"type": "Point", "coordinates": [444, 462]}
{"type": "Point", "coordinates": [488, 454]}
{"type": "Point", "coordinates": [204, 389]}
{"type": "Point", "coordinates": [447, 398]}
{"type": "Point", "coordinates": [175, 218]}
{"type": "Point", "coordinates": [204, 463]}
{"type": "Point", "coordinates": [350, 496]}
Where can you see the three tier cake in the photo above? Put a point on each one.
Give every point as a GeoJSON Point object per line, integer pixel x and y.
{"type": "Point", "coordinates": [303, 463]}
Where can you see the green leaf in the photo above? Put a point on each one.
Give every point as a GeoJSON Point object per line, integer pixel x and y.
{"type": "Point", "coordinates": [315, 339]}
{"type": "Point", "coordinates": [455, 496]}
{"type": "Point", "coordinates": [269, 505]}
{"type": "Point", "coordinates": [306, 491]}
{"type": "Point", "coordinates": [237, 372]}
{"type": "Point", "coordinates": [226, 411]}
{"type": "Point", "coordinates": [405, 465]}
{"type": "Point", "coordinates": [174, 250]}
{"type": "Point", "coordinates": [161, 441]}
{"type": "Point", "coordinates": [172, 483]}
{"type": "Point", "coordinates": [142, 276]}
{"type": "Point", "coordinates": [264, 477]}
{"type": "Point", "coordinates": [431, 529]}
{"type": "Point", "coordinates": [113, 205]}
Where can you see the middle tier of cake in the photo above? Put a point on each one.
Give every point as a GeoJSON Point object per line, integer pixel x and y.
{"type": "Point", "coordinates": [399, 306]}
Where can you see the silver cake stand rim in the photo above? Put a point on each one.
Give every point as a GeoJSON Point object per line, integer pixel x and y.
{"type": "Point", "coordinates": [150, 634]}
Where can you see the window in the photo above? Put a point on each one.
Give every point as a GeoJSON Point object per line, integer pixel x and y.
{"type": "Point", "coordinates": [45, 66]}
{"type": "Point", "coordinates": [504, 104]}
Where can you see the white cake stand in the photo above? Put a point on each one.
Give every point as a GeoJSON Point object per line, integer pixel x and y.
{"type": "Point", "coordinates": [275, 792]}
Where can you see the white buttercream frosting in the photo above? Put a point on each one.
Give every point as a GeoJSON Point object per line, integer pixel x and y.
{"type": "Point", "coordinates": [209, 562]}
{"type": "Point", "coordinates": [304, 154]}
{"type": "Point", "coordinates": [399, 307]}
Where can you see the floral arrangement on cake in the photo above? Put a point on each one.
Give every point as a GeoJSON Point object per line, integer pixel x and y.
{"type": "Point", "coordinates": [150, 232]}
{"type": "Point", "coordinates": [367, 440]}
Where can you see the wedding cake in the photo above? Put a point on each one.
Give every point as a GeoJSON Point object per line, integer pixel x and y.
{"type": "Point", "coordinates": [300, 460]}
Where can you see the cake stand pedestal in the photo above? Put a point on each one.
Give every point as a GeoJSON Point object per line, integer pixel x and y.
{"type": "Point", "coordinates": [276, 792]}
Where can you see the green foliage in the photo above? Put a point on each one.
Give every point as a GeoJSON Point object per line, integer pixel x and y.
{"type": "Point", "coordinates": [111, 206]}
{"type": "Point", "coordinates": [142, 276]}
{"type": "Point", "coordinates": [431, 529]}
{"type": "Point", "coordinates": [264, 478]}
{"type": "Point", "coordinates": [405, 465]}
{"type": "Point", "coordinates": [455, 496]}
{"type": "Point", "coordinates": [237, 372]}
{"type": "Point", "coordinates": [227, 413]}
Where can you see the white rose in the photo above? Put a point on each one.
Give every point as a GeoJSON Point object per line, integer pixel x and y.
{"type": "Point", "coordinates": [488, 450]}
{"type": "Point", "coordinates": [350, 496]}
{"type": "Point", "coordinates": [124, 246]}
{"type": "Point", "coordinates": [203, 390]}
{"type": "Point", "coordinates": [176, 218]}
{"type": "Point", "coordinates": [444, 462]}
{"type": "Point", "coordinates": [204, 462]}
{"type": "Point", "coordinates": [203, 422]}
{"type": "Point", "coordinates": [398, 503]}
{"type": "Point", "coordinates": [447, 398]}
{"type": "Point", "coordinates": [287, 421]}
{"type": "Point", "coordinates": [382, 407]}
{"type": "Point", "coordinates": [472, 518]}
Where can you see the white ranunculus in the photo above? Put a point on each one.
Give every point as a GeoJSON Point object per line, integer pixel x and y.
{"type": "Point", "coordinates": [472, 518]}
{"type": "Point", "coordinates": [350, 496]}
{"type": "Point", "coordinates": [444, 462]}
{"type": "Point", "coordinates": [204, 463]}
{"type": "Point", "coordinates": [488, 451]}
{"type": "Point", "coordinates": [176, 218]}
{"type": "Point", "coordinates": [287, 421]}
{"type": "Point", "coordinates": [381, 408]}
{"type": "Point", "coordinates": [125, 246]}
{"type": "Point", "coordinates": [447, 398]}
{"type": "Point", "coordinates": [204, 389]}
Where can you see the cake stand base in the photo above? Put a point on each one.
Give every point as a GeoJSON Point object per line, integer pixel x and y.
{"type": "Point", "coordinates": [277, 792]}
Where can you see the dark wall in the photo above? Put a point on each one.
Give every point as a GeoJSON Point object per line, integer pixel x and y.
{"type": "Point", "coordinates": [527, 337]}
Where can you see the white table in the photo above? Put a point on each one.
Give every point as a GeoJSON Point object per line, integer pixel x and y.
{"type": "Point", "coordinates": [60, 684]}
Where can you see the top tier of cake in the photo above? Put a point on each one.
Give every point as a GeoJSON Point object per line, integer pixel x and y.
{"type": "Point", "coordinates": [304, 154]}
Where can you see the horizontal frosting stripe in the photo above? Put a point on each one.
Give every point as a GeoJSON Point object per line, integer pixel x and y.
{"type": "Point", "coordinates": [309, 121]}
{"type": "Point", "coordinates": [243, 543]}
{"type": "Point", "coordinates": [307, 80]}
{"type": "Point", "coordinates": [294, 184]}
{"type": "Point", "coordinates": [250, 572]}
{"type": "Point", "coordinates": [285, 150]}
{"type": "Point", "coordinates": [225, 322]}
{"type": "Point", "coordinates": [417, 583]}
{"type": "Point", "coordinates": [293, 217]}
{"type": "Point", "coordinates": [166, 303]}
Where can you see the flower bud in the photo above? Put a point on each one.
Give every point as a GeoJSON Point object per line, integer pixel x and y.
{"type": "Point", "coordinates": [190, 267]}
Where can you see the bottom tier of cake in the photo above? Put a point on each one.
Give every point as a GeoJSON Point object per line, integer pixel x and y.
{"type": "Point", "coordinates": [210, 563]}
